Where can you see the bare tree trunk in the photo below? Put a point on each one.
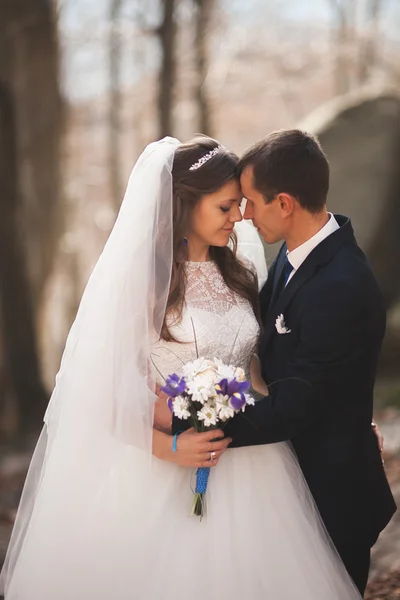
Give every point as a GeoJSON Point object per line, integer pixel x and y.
{"type": "Point", "coordinates": [368, 52]}
{"type": "Point", "coordinates": [31, 208]}
{"type": "Point", "coordinates": [167, 33]}
{"type": "Point", "coordinates": [343, 34]}
{"type": "Point", "coordinates": [17, 317]}
{"type": "Point", "coordinates": [203, 10]}
{"type": "Point", "coordinates": [29, 67]}
{"type": "Point", "coordinates": [114, 108]}
{"type": "Point", "coordinates": [342, 77]}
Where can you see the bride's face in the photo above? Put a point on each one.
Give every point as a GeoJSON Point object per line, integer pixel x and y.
{"type": "Point", "coordinates": [215, 215]}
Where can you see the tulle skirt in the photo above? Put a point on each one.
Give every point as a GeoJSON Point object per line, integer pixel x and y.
{"type": "Point", "coordinates": [119, 528]}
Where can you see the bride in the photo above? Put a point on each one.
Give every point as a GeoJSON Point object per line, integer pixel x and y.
{"type": "Point", "coordinates": [101, 517]}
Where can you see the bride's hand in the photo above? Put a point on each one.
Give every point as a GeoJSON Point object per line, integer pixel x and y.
{"type": "Point", "coordinates": [195, 449]}
{"type": "Point", "coordinates": [192, 449]}
{"type": "Point", "coordinates": [162, 414]}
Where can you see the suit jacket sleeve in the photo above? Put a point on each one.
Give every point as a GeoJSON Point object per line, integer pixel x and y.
{"type": "Point", "coordinates": [335, 327]}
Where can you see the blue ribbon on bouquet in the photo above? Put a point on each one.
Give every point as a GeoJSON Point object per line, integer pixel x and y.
{"type": "Point", "coordinates": [202, 476]}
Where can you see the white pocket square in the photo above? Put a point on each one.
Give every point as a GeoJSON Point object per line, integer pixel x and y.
{"type": "Point", "coordinates": [280, 325]}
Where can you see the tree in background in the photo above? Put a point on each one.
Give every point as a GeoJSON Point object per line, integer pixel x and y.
{"type": "Point", "coordinates": [356, 42]}
{"type": "Point", "coordinates": [30, 136]}
{"type": "Point", "coordinates": [369, 46]}
{"type": "Point", "coordinates": [20, 365]}
{"type": "Point", "coordinates": [114, 105]}
{"type": "Point", "coordinates": [203, 9]}
{"type": "Point", "coordinates": [343, 34]}
{"type": "Point", "coordinates": [167, 34]}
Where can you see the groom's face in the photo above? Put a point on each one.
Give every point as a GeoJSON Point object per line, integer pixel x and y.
{"type": "Point", "coordinates": [266, 216]}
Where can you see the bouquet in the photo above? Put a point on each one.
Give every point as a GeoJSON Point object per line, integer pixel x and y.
{"type": "Point", "coordinates": [208, 394]}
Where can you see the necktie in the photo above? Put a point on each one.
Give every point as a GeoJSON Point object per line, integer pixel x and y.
{"type": "Point", "coordinates": [283, 279]}
{"type": "Point", "coordinates": [287, 269]}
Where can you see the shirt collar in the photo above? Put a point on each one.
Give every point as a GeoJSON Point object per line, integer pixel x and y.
{"type": "Point", "coordinates": [297, 256]}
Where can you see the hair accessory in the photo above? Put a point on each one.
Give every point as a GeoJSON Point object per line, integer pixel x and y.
{"type": "Point", "coordinates": [206, 158]}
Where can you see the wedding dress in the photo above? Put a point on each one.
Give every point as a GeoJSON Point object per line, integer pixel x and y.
{"type": "Point", "coordinates": [262, 537]}
{"type": "Point", "coordinates": [100, 517]}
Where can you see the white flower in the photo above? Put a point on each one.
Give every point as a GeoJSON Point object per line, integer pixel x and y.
{"type": "Point", "coordinates": [201, 388]}
{"type": "Point", "coordinates": [206, 376]}
{"type": "Point", "coordinates": [224, 371]}
{"type": "Point", "coordinates": [207, 367]}
{"type": "Point", "coordinates": [225, 410]}
{"type": "Point", "coordinates": [280, 325]}
{"type": "Point", "coordinates": [208, 414]}
{"type": "Point", "coordinates": [198, 367]}
{"type": "Point", "coordinates": [240, 374]}
{"type": "Point", "coordinates": [180, 407]}
{"type": "Point", "coordinates": [249, 401]}
{"type": "Point", "coordinates": [191, 369]}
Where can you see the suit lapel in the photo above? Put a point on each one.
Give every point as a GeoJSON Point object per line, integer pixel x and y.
{"type": "Point", "coordinates": [279, 304]}
{"type": "Point", "coordinates": [268, 288]}
{"type": "Point", "coordinates": [318, 257]}
{"type": "Point", "coordinates": [278, 271]}
{"type": "Point", "coordinates": [280, 261]}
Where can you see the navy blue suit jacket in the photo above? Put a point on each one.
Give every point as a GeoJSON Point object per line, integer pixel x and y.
{"type": "Point", "coordinates": [321, 377]}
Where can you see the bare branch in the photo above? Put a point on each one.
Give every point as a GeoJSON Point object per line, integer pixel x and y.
{"type": "Point", "coordinates": [114, 106]}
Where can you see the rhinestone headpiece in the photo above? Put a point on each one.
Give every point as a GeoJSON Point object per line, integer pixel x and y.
{"type": "Point", "coordinates": [205, 158]}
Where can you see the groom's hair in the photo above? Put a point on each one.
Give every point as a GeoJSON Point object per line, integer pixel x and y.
{"type": "Point", "coordinates": [289, 161]}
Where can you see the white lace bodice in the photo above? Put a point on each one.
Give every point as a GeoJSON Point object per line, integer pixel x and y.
{"type": "Point", "coordinates": [224, 324]}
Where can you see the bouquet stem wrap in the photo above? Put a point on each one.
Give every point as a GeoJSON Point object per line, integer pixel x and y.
{"type": "Point", "coordinates": [198, 507]}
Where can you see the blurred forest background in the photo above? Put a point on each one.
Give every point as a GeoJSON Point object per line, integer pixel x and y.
{"type": "Point", "coordinates": [86, 84]}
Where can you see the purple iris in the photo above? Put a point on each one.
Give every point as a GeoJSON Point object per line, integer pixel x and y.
{"type": "Point", "coordinates": [174, 385]}
{"type": "Point", "coordinates": [237, 401]}
{"type": "Point", "coordinates": [235, 390]}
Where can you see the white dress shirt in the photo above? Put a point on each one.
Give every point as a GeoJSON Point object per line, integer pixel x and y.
{"type": "Point", "coordinates": [297, 256]}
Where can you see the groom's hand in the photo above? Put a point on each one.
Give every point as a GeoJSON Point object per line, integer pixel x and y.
{"type": "Point", "coordinates": [197, 449]}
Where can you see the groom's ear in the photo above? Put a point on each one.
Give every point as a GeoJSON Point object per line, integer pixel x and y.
{"type": "Point", "coordinates": [286, 204]}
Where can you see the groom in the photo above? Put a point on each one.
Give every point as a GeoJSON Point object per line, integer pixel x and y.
{"type": "Point", "coordinates": [323, 325]}
{"type": "Point", "coordinates": [324, 321]}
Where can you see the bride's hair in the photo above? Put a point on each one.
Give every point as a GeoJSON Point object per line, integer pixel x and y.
{"type": "Point", "coordinates": [189, 186]}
